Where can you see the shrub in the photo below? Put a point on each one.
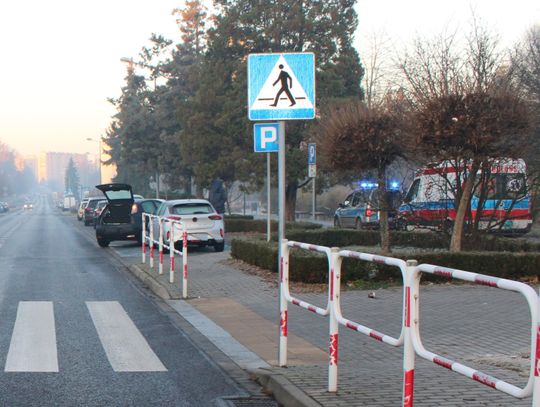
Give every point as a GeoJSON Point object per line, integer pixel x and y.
{"type": "Point", "coordinates": [312, 267]}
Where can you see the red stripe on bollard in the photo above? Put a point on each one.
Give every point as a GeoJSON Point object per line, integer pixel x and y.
{"type": "Point", "coordinates": [379, 260]}
{"type": "Point", "coordinates": [376, 335]}
{"type": "Point", "coordinates": [334, 350]}
{"type": "Point", "coordinates": [442, 273]}
{"type": "Point", "coordinates": [442, 362]}
{"type": "Point", "coordinates": [144, 247]}
{"type": "Point", "coordinates": [184, 238]}
{"type": "Point", "coordinates": [283, 323]}
{"type": "Point", "coordinates": [281, 268]}
{"type": "Point", "coordinates": [352, 326]}
{"type": "Point", "coordinates": [185, 271]}
{"type": "Point", "coordinates": [485, 281]}
{"type": "Point", "coordinates": [485, 379]}
{"type": "Point", "coordinates": [161, 257]}
{"type": "Point", "coordinates": [408, 390]}
{"type": "Point", "coordinates": [312, 308]}
{"type": "Point", "coordinates": [537, 358]}
{"type": "Point", "coordinates": [296, 302]}
{"type": "Point", "coordinates": [172, 263]}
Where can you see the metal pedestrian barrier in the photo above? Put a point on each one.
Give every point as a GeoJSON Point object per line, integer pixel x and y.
{"type": "Point", "coordinates": [148, 240]}
{"type": "Point", "coordinates": [409, 337]}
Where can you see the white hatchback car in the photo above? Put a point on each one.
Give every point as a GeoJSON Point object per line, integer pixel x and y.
{"type": "Point", "coordinates": [203, 224]}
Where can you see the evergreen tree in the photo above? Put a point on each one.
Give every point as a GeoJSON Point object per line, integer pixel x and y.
{"type": "Point", "coordinates": [71, 178]}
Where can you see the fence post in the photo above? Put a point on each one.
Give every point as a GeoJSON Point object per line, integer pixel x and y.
{"type": "Point", "coordinates": [283, 313]}
{"type": "Point", "coordinates": [151, 243]}
{"type": "Point", "coordinates": [536, 385]}
{"type": "Point", "coordinates": [409, 316]}
{"type": "Point", "coordinates": [160, 246]}
{"type": "Point", "coordinates": [143, 238]}
{"type": "Point", "coordinates": [335, 281]}
{"type": "Point", "coordinates": [171, 252]}
{"type": "Point", "coordinates": [184, 264]}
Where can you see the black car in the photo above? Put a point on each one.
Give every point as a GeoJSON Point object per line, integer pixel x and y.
{"type": "Point", "coordinates": [121, 219]}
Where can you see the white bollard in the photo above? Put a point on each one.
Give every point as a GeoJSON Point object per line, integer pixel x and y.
{"type": "Point", "coordinates": [171, 252]}
{"type": "Point", "coordinates": [143, 238]}
{"type": "Point", "coordinates": [410, 325]}
{"type": "Point", "coordinates": [335, 279]}
{"type": "Point", "coordinates": [151, 243]}
{"type": "Point", "coordinates": [283, 305]}
{"type": "Point", "coordinates": [536, 353]}
{"type": "Point", "coordinates": [160, 270]}
{"type": "Point", "coordinates": [184, 264]}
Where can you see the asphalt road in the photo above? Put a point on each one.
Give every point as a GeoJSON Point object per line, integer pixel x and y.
{"type": "Point", "coordinates": [75, 330]}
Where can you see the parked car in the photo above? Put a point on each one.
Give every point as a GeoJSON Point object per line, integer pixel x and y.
{"type": "Point", "coordinates": [4, 207]}
{"type": "Point", "coordinates": [361, 209]}
{"type": "Point", "coordinates": [121, 218]}
{"type": "Point", "coordinates": [88, 216]}
{"type": "Point", "coordinates": [28, 205]}
{"type": "Point", "coordinates": [205, 227]}
{"type": "Point", "coordinates": [80, 211]}
{"type": "Point", "coordinates": [99, 208]}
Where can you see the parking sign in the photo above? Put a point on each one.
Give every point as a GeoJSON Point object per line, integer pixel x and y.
{"type": "Point", "coordinates": [265, 137]}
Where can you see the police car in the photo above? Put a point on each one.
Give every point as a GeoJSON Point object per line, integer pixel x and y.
{"type": "Point", "coordinates": [361, 209]}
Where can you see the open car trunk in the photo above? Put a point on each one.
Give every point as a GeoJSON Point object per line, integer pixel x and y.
{"type": "Point", "coordinates": [120, 201]}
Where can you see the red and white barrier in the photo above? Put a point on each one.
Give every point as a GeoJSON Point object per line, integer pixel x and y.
{"type": "Point", "coordinates": [532, 300]}
{"type": "Point", "coordinates": [148, 239]}
{"type": "Point", "coordinates": [409, 337]}
{"type": "Point", "coordinates": [285, 295]}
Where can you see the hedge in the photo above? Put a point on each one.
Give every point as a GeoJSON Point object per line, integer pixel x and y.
{"type": "Point", "coordinates": [429, 240]}
{"type": "Point", "coordinates": [259, 225]}
{"type": "Point", "coordinates": [312, 267]}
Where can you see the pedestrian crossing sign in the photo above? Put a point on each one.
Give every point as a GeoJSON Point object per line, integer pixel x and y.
{"type": "Point", "coordinates": [281, 86]}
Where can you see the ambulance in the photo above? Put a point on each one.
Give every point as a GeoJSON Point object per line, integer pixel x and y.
{"type": "Point", "coordinates": [429, 202]}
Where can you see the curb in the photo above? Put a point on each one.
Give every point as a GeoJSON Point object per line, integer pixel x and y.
{"type": "Point", "coordinates": [154, 285]}
{"type": "Point", "coordinates": [283, 391]}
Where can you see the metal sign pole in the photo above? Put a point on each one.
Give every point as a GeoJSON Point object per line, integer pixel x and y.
{"type": "Point", "coordinates": [281, 209]}
{"type": "Point", "coordinates": [313, 201]}
{"type": "Point", "coordinates": [268, 188]}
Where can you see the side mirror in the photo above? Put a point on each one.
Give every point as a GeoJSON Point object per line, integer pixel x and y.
{"type": "Point", "coordinates": [341, 205]}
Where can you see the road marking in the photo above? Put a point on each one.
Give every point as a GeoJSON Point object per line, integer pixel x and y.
{"type": "Point", "coordinates": [126, 348]}
{"type": "Point", "coordinates": [33, 343]}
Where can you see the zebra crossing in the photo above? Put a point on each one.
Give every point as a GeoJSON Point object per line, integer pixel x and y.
{"type": "Point", "coordinates": [33, 346]}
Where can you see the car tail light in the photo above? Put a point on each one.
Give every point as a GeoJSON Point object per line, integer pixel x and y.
{"type": "Point", "coordinates": [369, 212]}
{"type": "Point", "coordinates": [172, 217]}
{"type": "Point", "coordinates": [134, 208]}
{"type": "Point", "coordinates": [215, 217]}
{"type": "Point", "coordinates": [221, 232]}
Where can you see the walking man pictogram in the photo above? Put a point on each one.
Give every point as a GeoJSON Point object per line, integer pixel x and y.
{"type": "Point", "coordinates": [286, 83]}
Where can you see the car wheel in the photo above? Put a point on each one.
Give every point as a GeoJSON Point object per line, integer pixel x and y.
{"type": "Point", "coordinates": [103, 242]}
{"type": "Point", "coordinates": [219, 247]}
{"type": "Point", "coordinates": [337, 223]}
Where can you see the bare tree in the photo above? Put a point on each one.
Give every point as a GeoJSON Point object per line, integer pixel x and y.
{"type": "Point", "coordinates": [466, 108]}
{"type": "Point", "coordinates": [355, 137]}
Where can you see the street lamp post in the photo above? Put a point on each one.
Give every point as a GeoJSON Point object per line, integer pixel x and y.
{"type": "Point", "coordinates": [99, 154]}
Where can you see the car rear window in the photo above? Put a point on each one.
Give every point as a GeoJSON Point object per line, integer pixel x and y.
{"type": "Point", "coordinates": [122, 194]}
{"type": "Point", "coordinates": [192, 209]}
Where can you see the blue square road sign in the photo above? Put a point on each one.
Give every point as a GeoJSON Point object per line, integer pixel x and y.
{"type": "Point", "coordinates": [266, 137]}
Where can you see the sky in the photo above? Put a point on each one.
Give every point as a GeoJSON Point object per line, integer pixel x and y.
{"type": "Point", "coordinates": [61, 58]}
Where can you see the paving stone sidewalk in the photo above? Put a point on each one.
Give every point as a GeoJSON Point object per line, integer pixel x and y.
{"type": "Point", "coordinates": [484, 328]}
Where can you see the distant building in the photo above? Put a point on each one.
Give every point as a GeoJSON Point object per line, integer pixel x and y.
{"type": "Point", "coordinates": [51, 168]}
